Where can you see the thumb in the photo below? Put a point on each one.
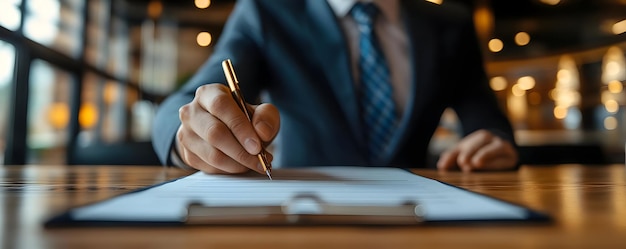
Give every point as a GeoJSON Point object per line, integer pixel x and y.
{"type": "Point", "coordinates": [266, 121]}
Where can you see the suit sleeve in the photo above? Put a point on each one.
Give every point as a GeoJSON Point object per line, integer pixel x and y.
{"type": "Point", "coordinates": [474, 101]}
{"type": "Point", "coordinates": [240, 42]}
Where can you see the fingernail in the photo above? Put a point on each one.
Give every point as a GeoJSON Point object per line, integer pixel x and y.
{"type": "Point", "coordinates": [251, 145]}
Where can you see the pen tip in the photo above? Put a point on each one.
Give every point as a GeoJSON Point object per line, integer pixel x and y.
{"type": "Point", "coordinates": [268, 174]}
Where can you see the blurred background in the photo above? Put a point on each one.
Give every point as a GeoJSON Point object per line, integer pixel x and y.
{"type": "Point", "coordinates": [80, 80]}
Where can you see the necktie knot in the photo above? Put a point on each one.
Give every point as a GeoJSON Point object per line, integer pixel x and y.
{"type": "Point", "coordinates": [364, 14]}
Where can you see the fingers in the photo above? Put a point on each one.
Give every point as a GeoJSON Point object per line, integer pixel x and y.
{"type": "Point", "coordinates": [480, 150]}
{"type": "Point", "coordinates": [216, 137]}
{"type": "Point", "coordinates": [190, 158]}
{"type": "Point", "coordinates": [218, 101]}
{"type": "Point", "coordinates": [226, 156]}
{"type": "Point", "coordinates": [498, 154]}
{"type": "Point", "coordinates": [447, 160]}
{"type": "Point", "coordinates": [470, 145]}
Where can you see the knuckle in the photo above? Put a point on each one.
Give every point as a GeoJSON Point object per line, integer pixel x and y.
{"type": "Point", "coordinates": [179, 135]}
{"type": "Point", "coordinates": [219, 103]}
{"type": "Point", "coordinates": [238, 170]}
{"type": "Point", "coordinates": [499, 142]}
{"type": "Point", "coordinates": [215, 158]}
{"type": "Point", "coordinates": [461, 163]}
{"type": "Point", "coordinates": [201, 89]}
{"type": "Point", "coordinates": [220, 162]}
{"type": "Point", "coordinates": [235, 169]}
{"type": "Point", "coordinates": [183, 112]}
{"type": "Point", "coordinates": [445, 154]}
{"type": "Point", "coordinates": [215, 131]}
{"type": "Point", "coordinates": [243, 157]}
{"type": "Point", "coordinates": [239, 124]}
{"type": "Point", "coordinates": [187, 158]}
{"type": "Point", "coordinates": [210, 170]}
{"type": "Point", "coordinates": [193, 161]}
{"type": "Point", "coordinates": [483, 134]}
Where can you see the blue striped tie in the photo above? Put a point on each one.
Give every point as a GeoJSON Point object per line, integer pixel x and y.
{"type": "Point", "coordinates": [377, 105]}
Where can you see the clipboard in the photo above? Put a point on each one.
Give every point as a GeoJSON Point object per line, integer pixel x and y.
{"type": "Point", "coordinates": [318, 205]}
{"type": "Point", "coordinates": [317, 212]}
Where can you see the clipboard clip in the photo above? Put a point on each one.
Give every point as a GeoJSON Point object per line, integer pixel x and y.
{"type": "Point", "coordinates": [305, 209]}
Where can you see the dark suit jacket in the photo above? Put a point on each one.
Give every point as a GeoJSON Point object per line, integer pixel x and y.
{"type": "Point", "coordinates": [296, 52]}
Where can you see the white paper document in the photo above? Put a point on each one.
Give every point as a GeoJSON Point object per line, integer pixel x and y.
{"type": "Point", "coordinates": [351, 186]}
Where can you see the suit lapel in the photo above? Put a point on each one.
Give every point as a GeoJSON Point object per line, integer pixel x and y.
{"type": "Point", "coordinates": [330, 47]}
{"type": "Point", "coordinates": [422, 50]}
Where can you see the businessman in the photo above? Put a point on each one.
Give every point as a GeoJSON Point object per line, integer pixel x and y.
{"type": "Point", "coordinates": [344, 83]}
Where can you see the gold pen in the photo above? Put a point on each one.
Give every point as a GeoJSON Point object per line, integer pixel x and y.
{"type": "Point", "coordinates": [233, 82]}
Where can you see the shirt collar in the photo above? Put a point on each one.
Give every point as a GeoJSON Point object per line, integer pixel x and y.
{"type": "Point", "coordinates": [388, 8]}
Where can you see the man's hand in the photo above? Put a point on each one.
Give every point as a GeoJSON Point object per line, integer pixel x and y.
{"type": "Point", "coordinates": [478, 151]}
{"type": "Point", "coordinates": [216, 137]}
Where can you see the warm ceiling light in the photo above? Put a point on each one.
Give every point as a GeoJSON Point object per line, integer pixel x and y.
{"type": "Point", "coordinates": [526, 82]}
{"type": "Point", "coordinates": [613, 65]}
{"type": "Point", "coordinates": [619, 27]}
{"type": "Point", "coordinates": [522, 38]}
{"type": "Point", "coordinates": [551, 2]}
{"type": "Point", "coordinates": [110, 93]}
{"type": "Point", "coordinates": [610, 123]}
{"type": "Point", "coordinates": [155, 8]}
{"type": "Point", "coordinates": [88, 115]}
{"type": "Point", "coordinates": [435, 1]}
{"type": "Point", "coordinates": [58, 115]}
{"type": "Point", "coordinates": [204, 39]}
{"type": "Point", "coordinates": [498, 83]}
{"type": "Point", "coordinates": [560, 112]}
{"type": "Point", "coordinates": [203, 4]}
{"type": "Point", "coordinates": [615, 86]}
{"type": "Point", "coordinates": [495, 45]}
{"type": "Point", "coordinates": [611, 106]}
{"type": "Point", "coordinates": [517, 90]}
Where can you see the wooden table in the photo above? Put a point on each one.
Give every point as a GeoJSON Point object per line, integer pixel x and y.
{"type": "Point", "coordinates": [587, 202]}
